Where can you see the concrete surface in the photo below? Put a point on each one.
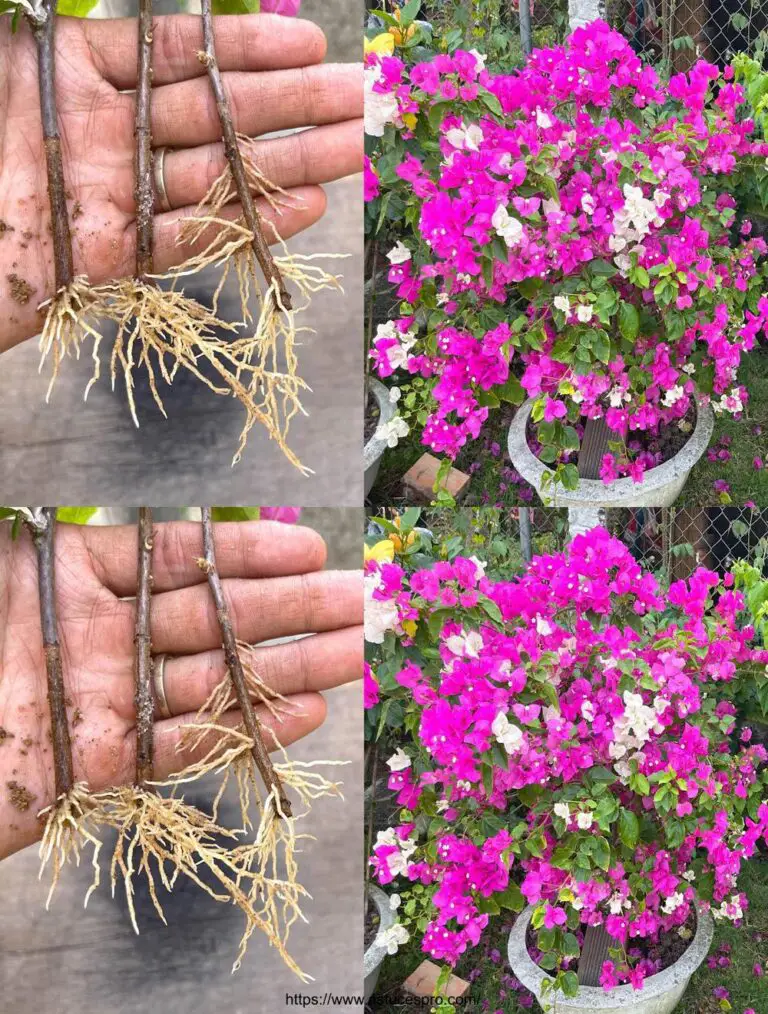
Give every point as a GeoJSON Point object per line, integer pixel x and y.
{"type": "Point", "coordinates": [70, 961]}
{"type": "Point", "coordinates": [70, 452]}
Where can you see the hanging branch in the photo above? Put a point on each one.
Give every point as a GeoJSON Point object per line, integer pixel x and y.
{"type": "Point", "coordinates": [43, 25]}
{"type": "Point", "coordinates": [235, 667]}
{"type": "Point", "coordinates": [42, 527]}
{"type": "Point", "coordinates": [143, 190]}
{"type": "Point", "coordinates": [237, 168]}
{"type": "Point", "coordinates": [142, 640]}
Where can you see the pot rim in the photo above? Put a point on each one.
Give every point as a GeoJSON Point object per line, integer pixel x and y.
{"type": "Point", "coordinates": [376, 951]}
{"type": "Point", "coordinates": [623, 997]}
{"type": "Point", "coordinates": [375, 447]}
{"type": "Point", "coordinates": [594, 492]}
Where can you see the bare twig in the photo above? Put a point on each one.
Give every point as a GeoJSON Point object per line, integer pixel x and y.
{"type": "Point", "coordinates": [235, 667]}
{"type": "Point", "coordinates": [234, 158]}
{"type": "Point", "coordinates": [43, 26]}
{"type": "Point", "coordinates": [42, 528]}
{"type": "Point", "coordinates": [143, 674]}
{"type": "Point", "coordinates": [143, 132]}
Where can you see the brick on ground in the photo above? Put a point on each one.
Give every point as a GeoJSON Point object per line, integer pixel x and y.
{"type": "Point", "coordinates": [419, 480]}
{"type": "Point", "coordinates": [423, 982]}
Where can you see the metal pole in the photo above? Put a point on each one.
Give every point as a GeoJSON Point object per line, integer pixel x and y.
{"type": "Point", "coordinates": [524, 515]}
{"type": "Point", "coordinates": [525, 29]}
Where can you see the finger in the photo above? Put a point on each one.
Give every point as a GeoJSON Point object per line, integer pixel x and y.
{"type": "Point", "coordinates": [312, 156]}
{"type": "Point", "coordinates": [185, 621]}
{"type": "Point", "coordinates": [185, 114]}
{"type": "Point", "coordinates": [307, 206]}
{"type": "Point", "coordinates": [319, 662]}
{"type": "Point", "coordinates": [170, 754]}
{"type": "Point", "coordinates": [245, 549]}
{"type": "Point", "coordinates": [243, 42]}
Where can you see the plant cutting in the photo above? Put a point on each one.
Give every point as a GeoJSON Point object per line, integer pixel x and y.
{"type": "Point", "coordinates": [162, 837]}
{"type": "Point", "coordinates": [160, 330]}
{"type": "Point", "coordinates": [571, 744]}
{"type": "Point", "coordinates": [571, 239]}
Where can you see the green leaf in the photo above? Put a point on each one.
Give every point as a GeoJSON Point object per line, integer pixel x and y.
{"type": "Point", "coordinates": [236, 6]}
{"type": "Point", "coordinates": [490, 607]}
{"type": "Point", "coordinates": [601, 853]}
{"type": "Point", "coordinates": [409, 12]}
{"type": "Point", "coordinates": [76, 8]}
{"type": "Point", "coordinates": [511, 390]}
{"type": "Point", "coordinates": [628, 828]}
{"type": "Point", "coordinates": [75, 515]}
{"type": "Point", "coordinates": [570, 984]}
{"type": "Point", "coordinates": [235, 513]}
{"type": "Point", "coordinates": [629, 321]}
{"type": "Point", "coordinates": [511, 898]}
{"type": "Point", "coordinates": [487, 905]}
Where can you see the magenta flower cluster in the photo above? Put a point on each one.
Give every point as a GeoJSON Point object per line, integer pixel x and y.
{"type": "Point", "coordinates": [576, 747]}
{"type": "Point", "coordinates": [576, 240]}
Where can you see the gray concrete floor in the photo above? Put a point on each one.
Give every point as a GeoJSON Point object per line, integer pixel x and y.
{"type": "Point", "coordinates": [70, 452]}
{"type": "Point", "coordinates": [70, 961]}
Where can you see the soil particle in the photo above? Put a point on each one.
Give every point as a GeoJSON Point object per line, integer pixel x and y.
{"type": "Point", "coordinates": [21, 290]}
{"type": "Point", "coordinates": [4, 734]}
{"type": "Point", "coordinates": [77, 717]}
{"type": "Point", "coordinates": [77, 210]}
{"type": "Point", "coordinates": [28, 741]}
{"type": "Point", "coordinates": [20, 796]}
{"type": "Point", "coordinates": [4, 227]}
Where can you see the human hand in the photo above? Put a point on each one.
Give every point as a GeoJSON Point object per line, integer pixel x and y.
{"type": "Point", "coordinates": [273, 582]}
{"type": "Point", "coordinates": [271, 67]}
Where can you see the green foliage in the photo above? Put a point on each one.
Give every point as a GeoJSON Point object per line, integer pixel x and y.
{"type": "Point", "coordinates": [76, 8]}
{"type": "Point", "coordinates": [14, 515]}
{"type": "Point", "coordinates": [235, 513]}
{"type": "Point", "coordinates": [75, 515]}
{"type": "Point", "coordinates": [236, 6]}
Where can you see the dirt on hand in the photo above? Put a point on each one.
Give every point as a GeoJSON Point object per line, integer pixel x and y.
{"type": "Point", "coordinates": [20, 797]}
{"type": "Point", "coordinates": [21, 290]}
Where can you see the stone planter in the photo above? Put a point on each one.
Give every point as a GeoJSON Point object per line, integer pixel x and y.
{"type": "Point", "coordinates": [374, 956]}
{"type": "Point", "coordinates": [660, 993]}
{"type": "Point", "coordinates": [660, 486]}
{"type": "Point", "coordinates": [374, 449]}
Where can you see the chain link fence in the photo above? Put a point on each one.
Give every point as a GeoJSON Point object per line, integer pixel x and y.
{"type": "Point", "coordinates": [673, 541]}
{"type": "Point", "coordinates": [673, 33]}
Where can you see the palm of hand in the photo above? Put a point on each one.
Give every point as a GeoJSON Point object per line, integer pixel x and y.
{"type": "Point", "coordinates": [96, 635]}
{"type": "Point", "coordinates": [96, 126]}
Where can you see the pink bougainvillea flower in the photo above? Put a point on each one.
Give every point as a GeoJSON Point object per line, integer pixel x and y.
{"type": "Point", "coordinates": [288, 515]}
{"type": "Point", "coordinates": [581, 664]}
{"type": "Point", "coordinates": [487, 232]}
{"type": "Point", "coordinates": [288, 8]}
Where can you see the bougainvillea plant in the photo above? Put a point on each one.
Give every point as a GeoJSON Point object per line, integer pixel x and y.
{"type": "Point", "coordinates": [570, 741]}
{"type": "Point", "coordinates": [570, 235]}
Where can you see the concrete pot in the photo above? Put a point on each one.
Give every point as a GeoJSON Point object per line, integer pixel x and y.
{"type": "Point", "coordinates": [660, 994]}
{"type": "Point", "coordinates": [374, 449]}
{"type": "Point", "coordinates": [660, 486]}
{"type": "Point", "coordinates": [374, 956]}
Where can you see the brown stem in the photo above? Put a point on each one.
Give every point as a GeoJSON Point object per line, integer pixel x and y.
{"type": "Point", "coordinates": [42, 528]}
{"type": "Point", "coordinates": [235, 666]}
{"type": "Point", "coordinates": [142, 640]}
{"type": "Point", "coordinates": [44, 33]}
{"type": "Point", "coordinates": [235, 160]}
{"type": "Point", "coordinates": [143, 191]}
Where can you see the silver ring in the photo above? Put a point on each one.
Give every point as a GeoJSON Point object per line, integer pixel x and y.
{"type": "Point", "coordinates": [158, 680]}
{"type": "Point", "coordinates": [158, 165]}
